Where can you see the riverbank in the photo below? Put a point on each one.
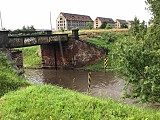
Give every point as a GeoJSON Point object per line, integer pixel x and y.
{"type": "Point", "coordinates": [9, 80]}
{"type": "Point", "coordinates": [55, 103]}
{"type": "Point", "coordinates": [23, 100]}
{"type": "Point", "coordinates": [51, 102]}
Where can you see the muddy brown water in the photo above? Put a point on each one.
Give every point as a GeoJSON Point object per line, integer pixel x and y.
{"type": "Point", "coordinates": [103, 85]}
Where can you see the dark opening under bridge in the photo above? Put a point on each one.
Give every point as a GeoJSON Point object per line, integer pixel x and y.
{"type": "Point", "coordinates": [56, 50]}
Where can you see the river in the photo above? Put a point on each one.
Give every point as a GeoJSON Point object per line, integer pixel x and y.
{"type": "Point", "coordinates": [103, 85]}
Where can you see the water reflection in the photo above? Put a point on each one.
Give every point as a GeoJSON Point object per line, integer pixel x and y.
{"type": "Point", "coordinates": [102, 84]}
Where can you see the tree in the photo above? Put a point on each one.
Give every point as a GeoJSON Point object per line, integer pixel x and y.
{"type": "Point", "coordinates": [32, 28]}
{"type": "Point", "coordinates": [124, 25]}
{"type": "Point", "coordinates": [138, 29]}
{"type": "Point", "coordinates": [103, 26]}
{"type": "Point", "coordinates": [154, 7]}
{"type": "Point", "coordinates": [108, 26]}
{"type": "Point", "coordinates": [62, 29]}
{"type": "Point", "coordinates": [25, 30]}
{"type": "Point", "coordinates": [137, 58]}
{"type": "Point", "coordinates": [90, 25]}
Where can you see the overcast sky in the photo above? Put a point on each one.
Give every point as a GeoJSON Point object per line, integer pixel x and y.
{"type": "Point", "coordinates": [18, 13]}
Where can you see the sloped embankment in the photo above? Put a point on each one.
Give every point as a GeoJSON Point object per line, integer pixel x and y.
{"type": "Point", "coordinates": [9, 80]}
{"type": "Point", "coordinates": [55, 103]}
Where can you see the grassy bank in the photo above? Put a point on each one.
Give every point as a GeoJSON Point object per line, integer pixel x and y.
{"type": "Point", "coordinates": [105, 40]}
{"type": "Point", "coordinates": [30, 57]}
{"type": "Point", "coordinates": [9, 80]}
{"type": "Point", "coordinates": [48, 102]}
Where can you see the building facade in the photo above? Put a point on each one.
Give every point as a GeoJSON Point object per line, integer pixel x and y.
{"type": "Point", "coordinates": [119, 23]}
{"type": "Point", "coordinates": [99, 20]}
{"type": "Point", "coordinates": [68, 21]}
{"type": "Point", "coordinates": [129, 23]}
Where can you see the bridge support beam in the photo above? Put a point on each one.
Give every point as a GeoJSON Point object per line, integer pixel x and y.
{"type": "Point", "coordinates": [3, 38]}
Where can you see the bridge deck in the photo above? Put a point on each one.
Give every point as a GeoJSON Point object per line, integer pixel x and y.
{"type": "Point", "coordinates": [31, 40]}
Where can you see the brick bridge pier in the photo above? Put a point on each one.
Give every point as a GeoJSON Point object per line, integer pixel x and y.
{"type": "Point", "coordinates": [56, 50]}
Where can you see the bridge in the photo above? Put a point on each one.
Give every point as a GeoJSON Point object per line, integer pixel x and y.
{"type": "Point", "coordinates": [56, 50]}
{"type": "Point", "coordinates": [30, 40]}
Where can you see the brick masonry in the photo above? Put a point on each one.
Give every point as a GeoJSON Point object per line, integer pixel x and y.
{"type": "Point", "coordinates": [17, 58]}
{"type": "Point", "coordinates": [74, 53]}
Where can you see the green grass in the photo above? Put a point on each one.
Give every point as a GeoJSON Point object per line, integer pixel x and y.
{"type": "Point", "coordinates": [30, 57]}
{"type": "Point", "coordinates": [99, 66]}
{"type": "Point", "coordinates": [9, 80]}
{"type": "Point", "coordinates": [105, 41]}
{"type": "Point", "coordinates": [46, 102]}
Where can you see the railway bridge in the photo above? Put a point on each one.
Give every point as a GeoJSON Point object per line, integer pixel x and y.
{"type": "Point", "coordinates": [56, 50]}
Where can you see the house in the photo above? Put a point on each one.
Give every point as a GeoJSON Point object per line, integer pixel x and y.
{"type": "Point", "coordinates": [68, 21]}
{"type": "Point", "coordinates": [120, 22]}
{"type": "Point", "coordinates": [99, 20]}
{"type": "Point", "coordinates": [129, 23]}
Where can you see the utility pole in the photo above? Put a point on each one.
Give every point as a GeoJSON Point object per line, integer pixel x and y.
{"type": "Point", "coordinates": [1, 21]}
{"type": "Point", "coordinates": [50, 20]}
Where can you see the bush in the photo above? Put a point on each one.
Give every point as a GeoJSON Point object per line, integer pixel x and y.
{"type": "Point", "coordinates": [137, 58]}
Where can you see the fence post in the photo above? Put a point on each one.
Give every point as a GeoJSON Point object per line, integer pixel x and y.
{"type": "Point", "coordinates": [75, 34]}
{"type": "Point", "coordinates": [89, 81]}
{"type": "Point", "coordinates": [105, 64]}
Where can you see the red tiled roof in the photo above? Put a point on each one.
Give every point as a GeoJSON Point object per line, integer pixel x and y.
{"type": "Point", "coordinates": [77, 17]}
{"type": "Point", "coordinates": [108, 20]}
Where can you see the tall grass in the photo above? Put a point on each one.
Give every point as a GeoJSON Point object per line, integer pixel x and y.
{"type": "Point", "coordinates": [30, 57]}
{"type": "Point", "coordinates": [9, 80]}
{"type": "Point", "coordinates": [48, 102]}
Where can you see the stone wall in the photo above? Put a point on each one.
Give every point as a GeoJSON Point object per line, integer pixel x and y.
{"type": "Point", "coordinates": [17, 58]}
